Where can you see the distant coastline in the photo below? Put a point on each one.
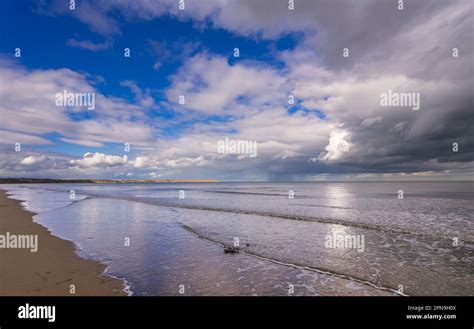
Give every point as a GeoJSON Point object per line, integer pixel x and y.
{"type": "Point", "coordinates": [99, 181]}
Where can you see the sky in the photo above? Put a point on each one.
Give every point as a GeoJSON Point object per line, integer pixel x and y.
{"type": "Point", "coordinates": [305, 89]}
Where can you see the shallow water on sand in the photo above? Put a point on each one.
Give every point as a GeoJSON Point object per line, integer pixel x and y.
{"type": "Point", "coordinates": [175, 241]}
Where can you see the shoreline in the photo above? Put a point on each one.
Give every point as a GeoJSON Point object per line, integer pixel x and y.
{"type": "Point", "coordinates": [53, 268]}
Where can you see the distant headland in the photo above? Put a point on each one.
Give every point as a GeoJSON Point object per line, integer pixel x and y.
{"type": "Point", "coordinates": [99, 181]}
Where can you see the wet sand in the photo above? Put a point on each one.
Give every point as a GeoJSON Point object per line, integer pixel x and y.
{"type": "Point", "coordinates": [53, 268]}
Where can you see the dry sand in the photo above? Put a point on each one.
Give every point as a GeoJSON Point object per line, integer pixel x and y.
{"type": "Point", "coordinates": [53, 268]}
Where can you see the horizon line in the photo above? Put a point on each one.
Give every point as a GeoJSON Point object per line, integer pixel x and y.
{"type": "Point", "coordinates": [24, 180]}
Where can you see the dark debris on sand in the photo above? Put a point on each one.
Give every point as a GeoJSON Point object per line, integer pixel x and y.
{"type": "Point", "coordinates": [233, 250]}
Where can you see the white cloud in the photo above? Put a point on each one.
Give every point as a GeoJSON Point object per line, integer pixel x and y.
{"type": "Point", "coordinates": [141, 162]}
{"type": "Point", "coordinates": [211, 86]}
{"type": "Point", "coordinates": [88, 45]}
{"type": "Point", "coordinates": [99, 159]}
{"type": "Point", "coordinates": [31, 160]}
{"type": "Point", "coordinates": [88, 143]}
{"type": "Point", "coordinates": [338, 145]}
{"type": "Point", "coordinates": [11, 137]}
{"type": "Point", "coordinates": [27, 99]}
{"type": "Point", "coordinates": [142, 97]}
{"type": "Point", "coordinates": [181, 162]}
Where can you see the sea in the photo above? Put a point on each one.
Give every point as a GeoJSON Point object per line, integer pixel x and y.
{"type": "Point", "coordinates": [270, 238]}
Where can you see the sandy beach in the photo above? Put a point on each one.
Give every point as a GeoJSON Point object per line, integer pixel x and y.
{"type": "Point", "coordinates": [53, 268]}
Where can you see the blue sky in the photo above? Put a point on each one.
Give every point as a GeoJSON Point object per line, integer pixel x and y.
{"type": "Point", "coordinates": [51, 50]}
{"type": "Point", "coordinates": [335, 125]}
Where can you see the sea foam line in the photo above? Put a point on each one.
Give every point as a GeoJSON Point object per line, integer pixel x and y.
{"type": "Point", "coordinates": [332, 221]}
{"type": "Point", "coordinates": [312, 269]}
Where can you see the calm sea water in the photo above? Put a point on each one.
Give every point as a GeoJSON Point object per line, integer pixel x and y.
{"type": "Point", "coordinates": [422, 244]}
